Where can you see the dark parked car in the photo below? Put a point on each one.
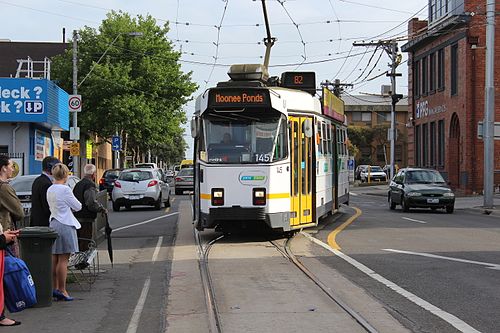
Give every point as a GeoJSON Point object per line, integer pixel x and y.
{"type": "Point", "coordinates": [108, 180]}
{"type": "Point", "coordinates": [184, 181]}
{"type": "Point", "coordinates": [420, 188]}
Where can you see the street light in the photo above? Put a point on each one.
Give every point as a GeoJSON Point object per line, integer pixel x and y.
{"type": "Point", "coordinates": [132, 34]}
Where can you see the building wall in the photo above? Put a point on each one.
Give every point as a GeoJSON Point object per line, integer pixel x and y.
{"type": "Point", "coordinates": [401, 156]}
{"type": "Point", "coordinates": [464, 152]}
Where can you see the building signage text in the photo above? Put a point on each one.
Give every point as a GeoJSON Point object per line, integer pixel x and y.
{"type": "Point", "coordinates": [423, 110]}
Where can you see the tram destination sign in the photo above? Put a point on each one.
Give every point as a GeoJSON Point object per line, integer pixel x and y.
{"type": "Point", "coordinates": [240, 97]}
{"type": "Point", "coordinates": [305, 81]}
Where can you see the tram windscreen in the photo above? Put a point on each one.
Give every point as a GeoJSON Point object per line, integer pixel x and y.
{"type": "Point", "coordinates": [244, 136]}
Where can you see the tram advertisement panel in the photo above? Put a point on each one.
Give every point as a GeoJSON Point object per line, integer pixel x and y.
{"type": "Point", "coordinates": [333, 106]}
{"type": "Point", "coordinates": [238, 97]}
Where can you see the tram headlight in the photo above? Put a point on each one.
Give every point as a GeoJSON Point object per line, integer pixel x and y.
{"type": "Point", "coordinates": [217, 197]}
{"type": "Point", "coordinates": [259, 196]}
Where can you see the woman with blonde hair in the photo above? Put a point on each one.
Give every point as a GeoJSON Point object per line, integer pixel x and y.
{"type": "Point", "coordinates": [61, 203]}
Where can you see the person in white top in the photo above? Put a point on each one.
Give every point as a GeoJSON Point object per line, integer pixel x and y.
{"type": "Point", "coordinates": [62, 203]}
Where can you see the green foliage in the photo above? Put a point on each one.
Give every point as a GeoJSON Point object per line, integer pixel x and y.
{"type": "Point", "coordinates": [137, 89]}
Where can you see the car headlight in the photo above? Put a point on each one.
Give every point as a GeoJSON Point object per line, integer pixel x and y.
{"type": "Point", "coordinates": [414, 194]}
{"type": "Point", "coordinates": [449, 194]}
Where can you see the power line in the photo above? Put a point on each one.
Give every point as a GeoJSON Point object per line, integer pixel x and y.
{"type": "Point", "coordinates": [304, 56]}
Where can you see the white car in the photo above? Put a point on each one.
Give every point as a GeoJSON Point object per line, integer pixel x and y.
{"type": "Point", "coordinates": [143, 186]}
{"type": "Point", "coordinates": [374, 173]}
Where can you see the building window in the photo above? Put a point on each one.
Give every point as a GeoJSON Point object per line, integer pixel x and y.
{"type": "Point", "coordinates": [366, 116]}
{"type": "Point", "coordinates": [440, 70]}
{"type": "Point", "coordinates": [437, 9]}
{"type": "Point", "coordinates": [454, 69]}
{"type": "Point", "coordinates": [417, 146]}
{"type": "Point", "coordinates": [416, 72]}
{"type": "Point", "coordinates": [432, 72]}
{"type": "Point", "coordinates": [440, 143]}
{"type": "Point", "coordinates": [425, 82]}
{"type": "Point", "coordinates": [432, 146]}
{"type": "Point", "coordinates": [425, 145]}
{"type": "Point", "coordinates": [383, 117]}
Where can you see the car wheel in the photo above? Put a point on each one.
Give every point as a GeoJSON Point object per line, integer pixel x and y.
{"type": "Point", "coordinates": [116, 207]}
{"type": "Point", "coordinates": [449, 209]}
{"type": "Point", "coordinates": [392, 204]}
{"type": "Point", "coordinates": [158, 204]}
{"type": "Point", "coordinates": [404, 205]}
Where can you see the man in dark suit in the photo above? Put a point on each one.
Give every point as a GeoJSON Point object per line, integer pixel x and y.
{"type": "Point", "coordinates": [40, 212]}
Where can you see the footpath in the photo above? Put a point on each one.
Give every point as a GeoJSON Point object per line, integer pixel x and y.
{"type": "Point", "coordinates": [473, 203]}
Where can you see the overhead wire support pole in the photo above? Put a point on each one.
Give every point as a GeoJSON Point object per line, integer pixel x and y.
{"type": "Point", "coordinates": [489, 106]}
{"type": "Point", "coordinates": [391, 47]}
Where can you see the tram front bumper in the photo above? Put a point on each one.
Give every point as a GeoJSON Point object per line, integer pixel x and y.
{"type": "Point", "coordinates": [250, 214]}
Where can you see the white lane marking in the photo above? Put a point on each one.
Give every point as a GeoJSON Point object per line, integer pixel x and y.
{"type": "Point", "coordinates": [448, 317]}
{"type": "Point", "coordinates": [136, 316]}
{"type": "Point", "coordinates": [157, 249]}
{"type": "Point", "coordinates": [144, 222]}
{"type": "Point", "coordinates": [353, 194]}
{"type": "Point", "coordinates": [429, 255]}
{"type": "Point", "coordinates": [413, 220]}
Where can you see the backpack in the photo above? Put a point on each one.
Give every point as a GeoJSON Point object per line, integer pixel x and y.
{"type": "Point", "coordinates": [18, 285]}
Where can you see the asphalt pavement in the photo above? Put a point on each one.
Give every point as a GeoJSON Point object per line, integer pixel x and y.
{"type": "Point", "coordinates": [473, 203]}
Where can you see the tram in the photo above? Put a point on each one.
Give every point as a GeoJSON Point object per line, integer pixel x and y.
{"type": "Point", "coordinates": [268, 150]}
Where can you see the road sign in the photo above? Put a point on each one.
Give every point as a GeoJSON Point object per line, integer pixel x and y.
{"type": "Point", "coordinates": [75, 103]}
{"type": "Point", "coordinates": [74, 149]}
{"type": "Point", "coordinates": [116, 143]}
{"type": "Point", "coordinates": [74, 133]}
{"type": "Point", "coordinates": [350, 164]}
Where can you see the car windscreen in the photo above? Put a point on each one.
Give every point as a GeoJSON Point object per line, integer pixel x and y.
{"type": "Point", "coordinates": [111, 174]}
{"type": "Point", "coordinates": [376, 169]}
{"type": "Point", "coordinates": [22, 184]}
{"type": "Point", "coordinates": [135, 175]}
{"type": "Point", "coordinates": [424, 177]}
{"type": "Point", "coordinates": [185, 173]}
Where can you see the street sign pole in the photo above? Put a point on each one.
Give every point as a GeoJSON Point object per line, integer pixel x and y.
{"type": "Point", "coordinates": [76, 159]}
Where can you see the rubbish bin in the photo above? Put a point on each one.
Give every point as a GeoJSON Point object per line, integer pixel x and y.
{"type": "Point", "coordinates": [35, 247]}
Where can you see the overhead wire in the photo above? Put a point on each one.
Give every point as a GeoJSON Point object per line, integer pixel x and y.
{"type": "Point", "coordinates": [217, 42]}
{"type": "Point", "coordinates": [304, 56]}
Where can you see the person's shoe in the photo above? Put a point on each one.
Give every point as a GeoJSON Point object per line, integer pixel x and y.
{"type": "Point", "coordinates": [14, 323]}
{"type": "Point", "coordinates": [61, 297]}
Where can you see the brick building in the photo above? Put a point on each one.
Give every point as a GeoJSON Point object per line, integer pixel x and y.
{"type": "Point", "coordinates": [374, 111]}
{"type": "Point", "coordinates": [446, 74]}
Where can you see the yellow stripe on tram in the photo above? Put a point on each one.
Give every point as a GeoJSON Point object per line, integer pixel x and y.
{"type": "Point", "coordinates": [278, 196]}
{"type": "Point", "coordinates": [206, 196]}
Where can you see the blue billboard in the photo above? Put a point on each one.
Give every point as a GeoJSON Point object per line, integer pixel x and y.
{"type": "Point", "coordinates": [33, 101]}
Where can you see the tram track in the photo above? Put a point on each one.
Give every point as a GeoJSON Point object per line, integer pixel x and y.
{"type": "Point", "coordinates": [214, 320]}
{"type": "Point", "coordinates": [214, 317]}
{"type": "Point", "coordinates": [286, 251]}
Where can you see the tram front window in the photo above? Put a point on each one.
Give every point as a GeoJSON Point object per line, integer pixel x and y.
{"type": "Point", "coordinates": [256, 136]}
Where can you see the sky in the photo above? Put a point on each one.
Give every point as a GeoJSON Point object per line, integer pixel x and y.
{"type": "Point", "coordinates": [312, 35]}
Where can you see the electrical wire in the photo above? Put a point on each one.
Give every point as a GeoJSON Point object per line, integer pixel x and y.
{"type": "Point", "coordinates": [217, 43]}
{"type": "Point", "coordinates": [304, 56]}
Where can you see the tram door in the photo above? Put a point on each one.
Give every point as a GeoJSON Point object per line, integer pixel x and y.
{"type": "Point", "coordinates": [301, 166]}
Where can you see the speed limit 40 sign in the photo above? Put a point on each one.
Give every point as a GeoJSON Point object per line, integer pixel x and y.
{"type": "Point", "coordinates": [75, 103]}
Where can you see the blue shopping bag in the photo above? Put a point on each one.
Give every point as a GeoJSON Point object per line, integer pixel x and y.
{"type": "Point", "coordinates": [18, 285]}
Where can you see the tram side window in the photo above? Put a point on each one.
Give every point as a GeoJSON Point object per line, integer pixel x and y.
{"type": "Point", "coordinates": [319, 137]}
{"type": "Point", "coordinates": [329, 138]}
{"type": "Point", "coordinates": [324, 138]}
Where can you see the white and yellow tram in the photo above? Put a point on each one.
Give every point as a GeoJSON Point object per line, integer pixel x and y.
{"type": "Point", "coordinates": [267, 152]}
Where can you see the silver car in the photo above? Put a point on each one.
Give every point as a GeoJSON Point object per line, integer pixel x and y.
{"type": "Point", "coordinates": [140, 186]}
{"type": "Point", "coordinates": [184, 181]}
{"type": "Point", "coordinates": [22, 185]}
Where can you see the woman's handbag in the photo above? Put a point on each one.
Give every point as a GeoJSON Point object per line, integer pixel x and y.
{"type": "Point", "coordinates": [19, 288]}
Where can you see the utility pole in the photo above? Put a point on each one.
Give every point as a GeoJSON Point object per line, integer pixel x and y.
{"type": "Point", "coordinates": [337, 86]}
{"type": "Point", "coordinates": [76, 159]}
{"type": "Point", "coordinates": [391, 47]}
{"type": "Point", "coordinates": [489, 106]}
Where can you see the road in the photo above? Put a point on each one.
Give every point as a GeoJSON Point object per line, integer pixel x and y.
{"type": "Point", "coordinates": [449, 261]}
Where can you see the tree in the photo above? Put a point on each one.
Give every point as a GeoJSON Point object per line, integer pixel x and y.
{"type": "Point", "coordinates": [136, 90]}
{"type": "Point", "coordinates": [360, 137]}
